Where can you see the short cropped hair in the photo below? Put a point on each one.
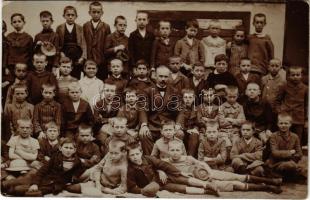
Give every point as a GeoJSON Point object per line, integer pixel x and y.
{"type": "Point", "coordinates": [26, 120]}
{"type": "Point", "coordinates": [139, 12]}
{"type": "Point", "coordinates": [114, 143]}
{"type": "Point", "coordinates": [120, 17]}
{"type": "Point", "coordinates": [248, 123]}
{"type": "Point", "coordinates": [134, 145]}
{"type": "Point", "coordinates": [67, 140]}
{"type": "Point", "coordinates": [120, 119]}
{"type": "Point", "coordinates": [130, 90]}
{"type": "Point", "coordinates": [19, 85]}
{"type": "Point", "coordinates": [164, 21]}
{"type": "Point", "coordinates": [192, 23]}
{"type": "Point", "coordinates": [46, 14]}
{"type": "Point", "coordinates": [167, 123]}
{"type": "Point", "coordinates": [220, 57]}
{"type": "Point", "coordinates": [95, 3]}
{"type": "Point", "coordinates": [74, 85]}
{"type": "Point", "coordinates": [231, 88]}
{"type": "Point", "coordinates": [18, 14]}
{"type": "Point", "coordinates": [284, 115]}
{"type": "Point", "coordinates": [51, 124]}
{"type": "Point", "coordinates": [90, 62]}
{"type": "Point", "coordinates": [70, 8]}
{"type": "Point", "coordinates": [294, 68]}
{"type": "Point", "coordinates": [39, 55]}
{"type": "Point", "coordinates": [198, 64]}
{"type": "Point", "coordinates": [259, 15]}
{"type": "Point", "coordinates": [84, 126]}
{"type": "Point", "coordinates": [186, 91]}
{"type": "Point", "coordinates": [212, 124]}
{"type": "Point", "coordinates": [65, 60]}
{"type": "Point", "coordinates": [142, 62]}
{"type": "Point", "coordinates": [48, 85]}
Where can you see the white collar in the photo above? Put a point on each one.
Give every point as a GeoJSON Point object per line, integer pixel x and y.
{"type": "Point", "coordinates": [142, 32]}
{"type": "Point", "coordinates": [119, 76]}
{"type": "Point", "coordinates": [262, 34]}
{"type": "Point", "coordinates": [174, 75]}
{"type": "Point", "coordinates": [142, 79]}
{"type": "Point", "coordinates": [95, 24]}
{"type": "Point", "coordinates": [248, 141]}
{"type": "Point", "coordinates": [69, 27]}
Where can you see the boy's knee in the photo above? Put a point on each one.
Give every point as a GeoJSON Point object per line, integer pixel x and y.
{"type": "Point", "coordinates": [288, 166]}
{"type": "Point", "coordinates": [150, 190]}
{"type": "Point", "coordinates": [236, 162]}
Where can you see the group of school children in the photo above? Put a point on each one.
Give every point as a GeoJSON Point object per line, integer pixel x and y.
{"type": "Point", "coordinates": [89, 111]}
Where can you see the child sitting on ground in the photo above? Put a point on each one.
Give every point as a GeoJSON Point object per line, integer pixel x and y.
{"type": "Point", "coordinates": [87, 151]}
{"type": "Point", "coordinates": [247, 152]}
{"type": "Point", "coordinates": [212, 148]}
{"type": "Point", "coordinates": [160, 148]}
{"type": "Point", "coordinates": [223, 181]}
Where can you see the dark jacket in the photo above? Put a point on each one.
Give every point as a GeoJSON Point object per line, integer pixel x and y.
{"type": "Point", "coordinates": [95, 40]}
{"type": "Point", "coordinates": [53, 174]}
{"type": "Point", "coordinates": [140, 176]}
{"type": "Point", "coordinates": [139, 47]}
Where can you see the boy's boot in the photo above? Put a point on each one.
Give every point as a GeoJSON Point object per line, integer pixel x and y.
{"type": "Point", "coordinates": [257, 187]}
{"type": "Point", "coordinates": [270, 181]}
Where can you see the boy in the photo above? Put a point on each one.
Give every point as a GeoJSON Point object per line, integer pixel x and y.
{"type": "Point", "coordinates": [47, 35]}
{"type": "Point", "coordinates": [48, 109]}
{"type": "Point", "coordinates": [231, 116]}
{"type": "Point", "coordinates": [236, 49]}
{"type": "Point", "coordinates": [261, 48]}
{"type": "Point", "coordinates": [285, 149]}
{"type": "Point", "coordinates": [158, 175]}
{"type": "Point", "coordinates": [75, 111]}
{"type": "Point", "coordinates": [116, 76]}
{"type": "Point", "coordinates": [21, 43]}
{"type": "Point", "coordinates": [86, 150]}
{"type": "Point", "coordinates": [258, 112]}
{"type": "Point", "coordinates": [50, 144]}
{"type": "Point", "coordinates": [48, 147]}
{"type": "Point", "coordinates": [95, 33]}
{"type": "Point", "coordinates": [119, 131]}
{"type": "Point", "coordinates": [213, 44]}
{"type": "Point", "coordinates": [141, 82]}
{"type": "Point", "coordinates": [223, 181]}
{"type": "Point", "coordinates": [20, 72]}
{"type": "Point", "coordinates": [186, 120]}
{"type": "Point", "coordinates": [38, 77]}
{"type": "Point", "coordinates": [198, 82]}
{"type": "Point", "coordinates": [91, 86]}
{"type": "Point", "coordinates": [246, 153]}
{"type": "Point", "coordinates": [141, 40]}
{"type": "Point", "coordinates": [177, 79]}
{"type": "Point", "coordinates": [108, 105]}
{"type": "Point", "coordinates": [272, 83]}
{"type": "Point", "coordinates": [293, 99]}
{"type": "Point", "coordinates": [220, 78]}
{"type": "Point", "coordinates": [212, 149]}
{"type": "Point", "coordinates": [110, 174]}
{"type": "Point", "coordinates": [189, 48]}
{"type": "Point", "coordinates": [163, 47]}
{"type": "Point", "coordinates": [72, 41]}
{"type": "Point", "coordinates": [65, 78]}
{"type": "Point", "coordinates": [136, 116]}
{"type": "Point", "coordinates": [22, 145]}
{"type": "Point", "coordinates": [63, 168]}
{"type": "Point", "coordinates": [160, 148]}
{"type": "Point", "coordinates": [208, 110]}
{"type": "Point", "coordinates": [245, 76]}
{"type": "Point", "coordinates": [19, 109]}
{"type": "Point", "coordinates": [117, 42]}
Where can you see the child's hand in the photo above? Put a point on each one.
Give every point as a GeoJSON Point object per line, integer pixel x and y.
{"type": "Point", "coordinates": [193, 131]}
{"type": "Point", "coordinates": [292, 151]}
{"type": "Point", "coordinates": [162, 176]}
{"type": "Point", "coordinates": [80, 61]}
{"type": "Point", "coordinates": [4, 84]}
{"type": "Point", "coordinates": [33, 188]}
{"type": "Point", "coordinates": [7, 71]}
{"type": "Point", "coordinates": [187, 67]}
{"type": "Point", "coordinates": [39, 42]}
{"type": "Point", "coordinates": [119, 47]}
{"type": "Point", "coordinates": [145, 132]}
{"type": "Point", "coordinates": [42, 135]}
{"type": "Point", "coordinates": [47, 158]}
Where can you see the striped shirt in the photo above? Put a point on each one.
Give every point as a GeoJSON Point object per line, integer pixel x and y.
{"type": "Point", "coordinates": [45, 112]}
